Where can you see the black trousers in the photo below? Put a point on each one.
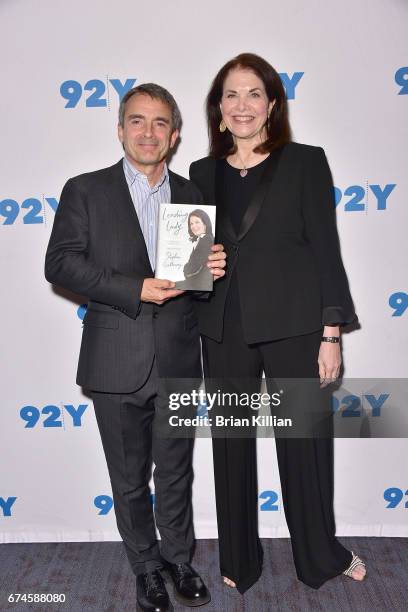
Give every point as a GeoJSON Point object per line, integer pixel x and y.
{"type": "Point", "coordinates": [131, 443]}
{"type": "Point", "coordinates": [305, 464]}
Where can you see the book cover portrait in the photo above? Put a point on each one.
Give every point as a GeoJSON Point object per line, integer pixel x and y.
{"type": "Point", "coordinates": [185, 236]}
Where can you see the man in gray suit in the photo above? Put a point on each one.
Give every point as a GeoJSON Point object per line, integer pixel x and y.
{"type": "Point", "coordinates": [138, 330]}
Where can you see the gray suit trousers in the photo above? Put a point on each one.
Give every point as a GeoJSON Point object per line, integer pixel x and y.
{"type": "Point", "coordinates": [127, 426]}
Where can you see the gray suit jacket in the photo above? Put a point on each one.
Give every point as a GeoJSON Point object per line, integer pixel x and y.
{"type": "Point", "coordinates": [97, 249]}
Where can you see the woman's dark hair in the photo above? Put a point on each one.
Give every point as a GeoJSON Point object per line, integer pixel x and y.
{"type": "Point", "coordinates": [277, 125]}
{"type": "Point", "coordinates": [201, 214]}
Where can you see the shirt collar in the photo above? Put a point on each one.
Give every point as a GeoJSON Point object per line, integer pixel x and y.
{"type": "Point", "coordinates": [132, 174]}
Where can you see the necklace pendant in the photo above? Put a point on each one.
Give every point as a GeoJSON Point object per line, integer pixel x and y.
{"type": "Point", "coordinates": [243, 172]}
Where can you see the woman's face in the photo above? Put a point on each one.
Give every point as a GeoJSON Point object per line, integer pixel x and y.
{"type": "Point", "coordinates": [244, 104]}
{"type": "Point", "coordinates": [197, 226]}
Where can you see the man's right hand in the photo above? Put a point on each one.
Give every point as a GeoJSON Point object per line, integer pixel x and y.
{"type": "Point", "coordinates": [158, 291]}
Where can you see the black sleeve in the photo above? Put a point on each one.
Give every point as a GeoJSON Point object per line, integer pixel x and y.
{"type": "Point", "coordinates": [67, 263]}
{"type": "Point", "coordinates": [194, 175]}
{"type": "Point", "coordinates": [197, 173]}
{"type": "Point", "coordinates": [321, 232]}
{"type": "Point", "coordinates": [196, 196]}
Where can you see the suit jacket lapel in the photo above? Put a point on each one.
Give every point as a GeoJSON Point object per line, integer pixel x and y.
{"type": "Point", "coordinates": [260, 193]}
{"type": "Point", "coordinates": [176, 190]}
{"type": "Point", "coordinates": [223, 218]}
{"type": "Point", "coordinates": [119, 195]}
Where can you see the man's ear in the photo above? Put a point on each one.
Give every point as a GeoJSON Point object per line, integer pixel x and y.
{"type": "Point", "coordinates": [120, 133]}
{"type": "Point", "coordinates": [173, 138]}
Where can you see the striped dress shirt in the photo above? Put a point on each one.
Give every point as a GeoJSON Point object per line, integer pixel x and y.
{"type": "Point", "coordinates": [146, 201]}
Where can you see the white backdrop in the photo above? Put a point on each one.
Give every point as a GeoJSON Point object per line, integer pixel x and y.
{"type": "Point", "coordinates": [345, 66]}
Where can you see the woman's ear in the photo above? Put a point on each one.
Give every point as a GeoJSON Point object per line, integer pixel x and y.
{"type": "Point", "coordinates": [270, 106]}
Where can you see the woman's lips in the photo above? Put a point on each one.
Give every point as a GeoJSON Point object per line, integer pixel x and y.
{"type": "Point", "coordinates": [240, 119]}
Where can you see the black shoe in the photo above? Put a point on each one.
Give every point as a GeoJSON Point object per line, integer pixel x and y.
{"type": "Point", "coordinates": [152, 595]}
{"type": "Point", "coordinates": [189, 589]}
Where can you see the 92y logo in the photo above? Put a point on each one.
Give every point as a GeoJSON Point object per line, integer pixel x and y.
{"type": "Point", "coordinates": [6, 504]}
{"type": "Point", "coordinates": [53, 416]}
{"type": "Point", "coordinates": [290, 83]}
{"type": "Point", "coordinates": [95, 92]}
{"type": "Point", "coordinates": [398, 301]}
{"type": "Point", "coordinates": [31, 210]}
{"type": "Point", "coordinates": [358, 197]}
{"type": "Point", "coordinates": [401, 79]}
{"type": "Point", "coordinates": [394, 496]}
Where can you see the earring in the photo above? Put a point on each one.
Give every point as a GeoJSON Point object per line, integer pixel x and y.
{"type": "Point", "coordinates": [223, 127]}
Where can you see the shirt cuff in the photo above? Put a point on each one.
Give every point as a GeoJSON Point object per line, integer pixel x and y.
{"type": "Point", "coordinates": [336, 315]}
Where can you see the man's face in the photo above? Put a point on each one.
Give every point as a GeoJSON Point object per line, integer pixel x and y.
{"type": "Point", "coordinates": [147, 134]}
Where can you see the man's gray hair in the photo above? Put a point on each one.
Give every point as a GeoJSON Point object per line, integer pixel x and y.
{"type": "Point", "coordinates": [157, 93]}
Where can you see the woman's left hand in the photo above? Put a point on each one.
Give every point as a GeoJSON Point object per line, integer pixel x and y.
{"type": "Point", "coordinates": [217, 261]}
{"type": "Point", "coordinates": [329, 359]}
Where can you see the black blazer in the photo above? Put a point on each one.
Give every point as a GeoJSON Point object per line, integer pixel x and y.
{"type": "Point", "coordinates": [97, 249]}
{"type": "Point", "coordinates": [287, 255]}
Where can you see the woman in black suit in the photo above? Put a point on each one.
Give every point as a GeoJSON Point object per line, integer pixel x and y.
{"type": "Point", "coordinates": [196, 272]}
{"type": "Point", "coordinates": [278, 310]}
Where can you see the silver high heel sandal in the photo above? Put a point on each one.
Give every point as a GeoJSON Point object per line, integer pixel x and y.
{"type": "Point", "coordinates": [354, 563]}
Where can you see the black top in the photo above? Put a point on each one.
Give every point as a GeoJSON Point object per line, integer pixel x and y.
{"type": "Point", "coordinates": [238, 190]}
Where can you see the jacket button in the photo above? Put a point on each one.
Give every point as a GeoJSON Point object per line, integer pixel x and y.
{"type": "Point", "coordinates": [155, 315]}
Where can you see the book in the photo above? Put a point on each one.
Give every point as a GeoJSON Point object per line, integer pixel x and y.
{"type": "Point", "coordinates": [185, 235]}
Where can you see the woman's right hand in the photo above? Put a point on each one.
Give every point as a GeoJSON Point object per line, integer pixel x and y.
{"type": "Point", "coordinates": [329, 361]}
{"type": "Point", "coordinates": [217, 261]}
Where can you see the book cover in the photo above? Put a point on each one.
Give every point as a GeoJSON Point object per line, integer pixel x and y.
{"type": "Point", "coordinates": [184, 240]}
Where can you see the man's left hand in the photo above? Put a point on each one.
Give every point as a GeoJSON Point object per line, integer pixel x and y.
{"type": "Point", "coordinates": [217, 261]}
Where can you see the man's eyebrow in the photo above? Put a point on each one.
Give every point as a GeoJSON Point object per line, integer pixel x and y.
{"type": "Point", "coordinates": [137, 116]}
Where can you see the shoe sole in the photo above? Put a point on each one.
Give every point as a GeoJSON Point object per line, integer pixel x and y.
{"type": "Point", "coordinates": [179, 598]}
{"type": "Point", "coordinates": [140, 609]}
{"type": "Point", "coordinates": [188, 602]}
